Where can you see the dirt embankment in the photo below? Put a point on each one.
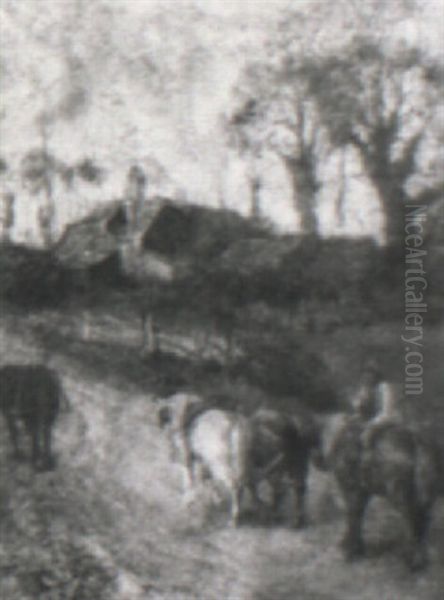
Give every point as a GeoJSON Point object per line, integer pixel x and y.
{"type": "Point", "coordinates": [109, 523]}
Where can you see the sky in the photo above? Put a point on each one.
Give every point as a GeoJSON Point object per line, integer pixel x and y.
{"type": "Point", "coordinates": [124, 117]}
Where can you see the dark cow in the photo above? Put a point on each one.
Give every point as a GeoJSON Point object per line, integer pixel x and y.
{"type": "Point", "coordinates": [398, 465]}
{"type": "Point", "coordinates": [31, 395]}
{"type": "Point", "coordinates": [281, 448]}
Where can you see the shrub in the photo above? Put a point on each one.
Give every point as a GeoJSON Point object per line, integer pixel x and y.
{"type": "Point", "coordinates": [275, 361]}
{"type": "Point", "coordinates": [3, 166]}
{"type": "Point", "coordinates": [31, 278]}
{"type": "Point", "coordinates": [89, 171]}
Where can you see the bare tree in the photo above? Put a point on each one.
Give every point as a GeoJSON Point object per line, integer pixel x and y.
{"type": "Point", "coordinates": [275, 113]}
{"type": "Point", "coordinates": [38, 169]}
{"type": "Point", "coordinates": [135, 194]}
{"type": "Point", "coordinates": [7, 215]}
{"type": "Point", "coordinates": [384, 103]}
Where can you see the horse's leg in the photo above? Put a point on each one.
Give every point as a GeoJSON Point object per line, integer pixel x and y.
{"type": "Point", "coordinates": [188, 478]}
{"type": "Point", "coordinates": [300, 487]}
{"type": "Point", "coordinates": [418, 519]}
{"type": "Point", "coordinates": [34, 430]}
{"type": "Point", "coordinates": [14, 435]}
{"type": "Point", "coordinates": [353, 541]}
{"type": "Point", "coordinates": [300, 516]}
{"type": "Point", "coordinates": [278, 491]}
{"type": "Point", "coordinates": [35, 447]}
{"type": "Point", "coordinates": [235, 494]}
{"type": "Point", "coordinates": [48, 458]}
{"type": "Point", "coordinates": [257, 504]}
{"type": "Point", "coordinates": [183, 451]}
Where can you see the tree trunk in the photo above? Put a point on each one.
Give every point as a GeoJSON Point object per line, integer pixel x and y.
{"type": "Point", "coordinates": [393, 201]}
{"type": "Point", "coordinates": [304, 189]}
{"type": "Point", "coordinates": [255, 205]}
{"type": "Point", "coordinates": [48, 226]}
{"type": "Point", "coordinates": [8, 215]}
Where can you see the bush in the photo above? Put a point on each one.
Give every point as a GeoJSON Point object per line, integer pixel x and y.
{"type": "Point", "coordinates": [31, 278]}
{"type": "Point", "coordinates": [273, 360]}
{"type": "Point", "coordinates": [3, 166]}
{"type": "Point", "coordinates": [89, 171]}
{"type": "Point", "coordinates": [63, 570]}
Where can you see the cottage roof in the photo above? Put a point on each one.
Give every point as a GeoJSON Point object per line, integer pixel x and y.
{"type": "Point", "coordinates": [251, 255]}
{"type": "Point", "coordinates": [174, 230]}
{"type": "Point", "coordinates": [101, 233]}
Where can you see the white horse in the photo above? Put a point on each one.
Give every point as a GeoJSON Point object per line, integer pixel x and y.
{"type": "Point", "coordinates": [210, 439]}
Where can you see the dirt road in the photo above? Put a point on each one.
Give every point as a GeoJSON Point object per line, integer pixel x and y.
{"type": "Point", "coordinates": [110, 523]}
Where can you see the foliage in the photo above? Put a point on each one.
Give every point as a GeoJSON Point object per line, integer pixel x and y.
{"type": "Point", "coordinates": [31, 278]}
{"type": "Point", "coordinates": [384, 103]}
{"type": "Point", "coordinates": [62, 571]}
{"type": "Point", "coordinates": [330, 80]}
{"type": "Point", "coordinates": [7, 218]}
{"type": "Point", "coordinates": [275, 112]}
{"type": "Point", "coordinates": [333, 268]}
{"type": "Point", "coordinates": [89, 171]}
{"type": "Point", "coordinates": [283, 366]}
{"type": "Point", "coordinates": [37, 167]}
{"type": "Point", "coordinates": [3, 165]}
{"type": "Point", "coordinates": [197, 234]}
{"type": "Point", "coordinates": [67, 175]}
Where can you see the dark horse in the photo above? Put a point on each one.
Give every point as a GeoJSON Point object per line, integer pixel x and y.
{"type": "Point", "coordinates": [281, 448]}
{"type": "Point", "coordinates": [31, 394]}
{"type": "Point", "coordinates": [399, 466]}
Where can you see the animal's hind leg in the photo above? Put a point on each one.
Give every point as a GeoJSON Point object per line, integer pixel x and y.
{"type": "Point", "coordinates": [300, 516]}
{"type": "Point", "coordinates": [47, 457]}
{"type": "Point", "coordinates": [34, 430]}
{"type": "Point", "coordinates": [300, 488]}
{"type": "Point", "coordinates": [419, 520]}
{"type": "Point", "coordinates": [14, 436]}
{"type": "Point", "coordinates": [353, 541]}
{"type": "Point", "coordinates": [257, 504]}
{"type": "Point", "coordinates": [278, 495]}
{"type": "Point", "coordinates": [235, 493]}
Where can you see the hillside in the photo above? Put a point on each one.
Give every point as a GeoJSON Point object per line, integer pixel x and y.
{"type": "Point", "coordinates": [109, 523]}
